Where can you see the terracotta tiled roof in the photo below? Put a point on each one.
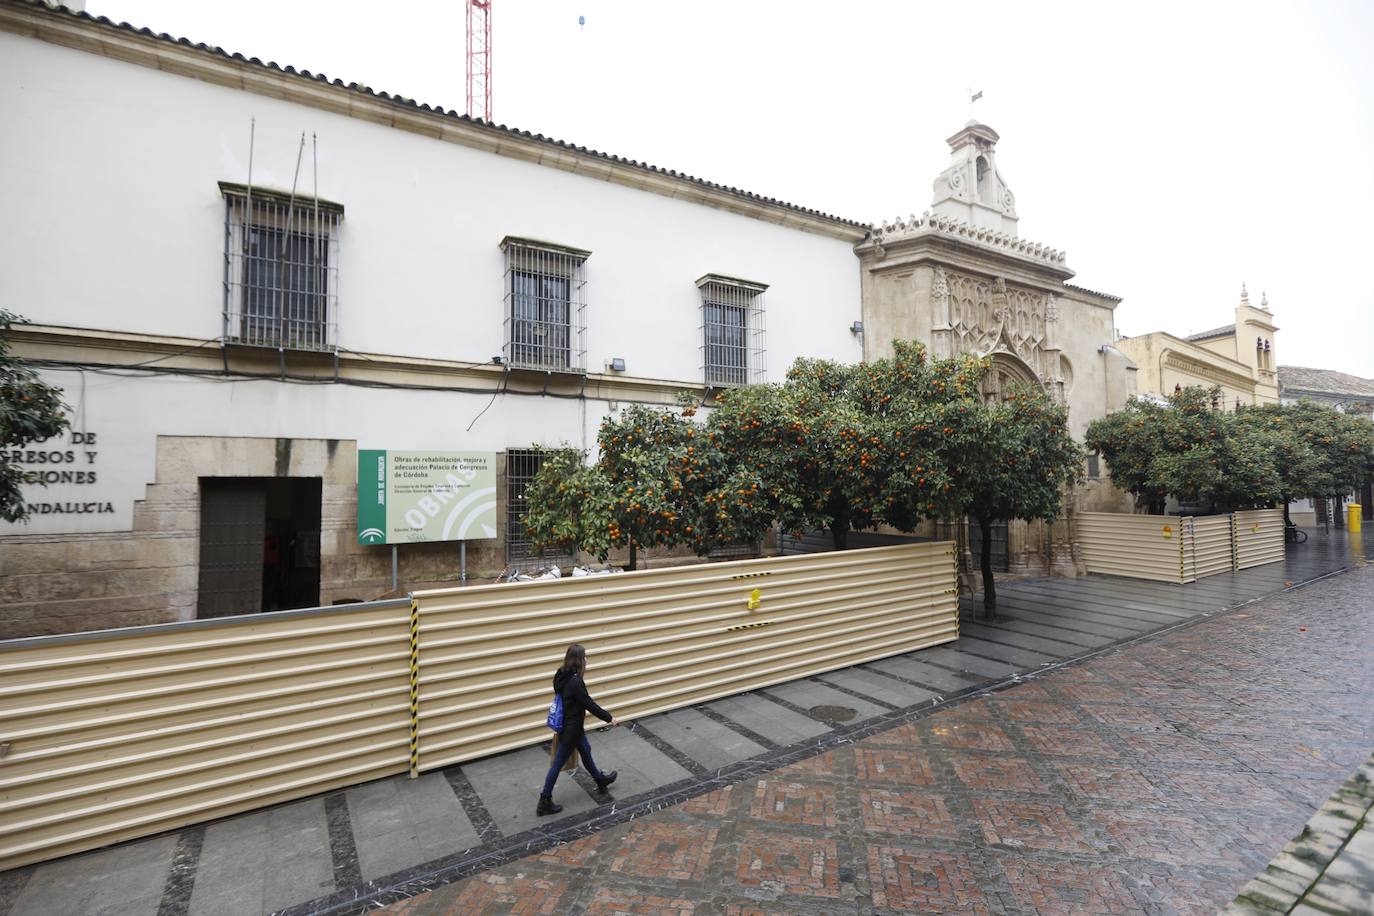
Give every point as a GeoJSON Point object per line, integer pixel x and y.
{"type": "Point", "coordinates": [1226, 331]}
{"type": "Point", "coordinates": [360, 89]}
{"type": "Point", "coordinates": [1324, 381]}
{"type": "Point", "coordinates": [1092, 292]}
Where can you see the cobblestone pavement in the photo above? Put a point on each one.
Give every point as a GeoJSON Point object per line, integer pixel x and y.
{"type": "Point", "coordinates": [391, 839]}
{"type": "Point", "coordinates": [1154, 778]}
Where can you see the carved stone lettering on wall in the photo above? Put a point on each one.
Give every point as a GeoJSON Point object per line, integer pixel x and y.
{"type": "Point", "coordinates": [979, 309]}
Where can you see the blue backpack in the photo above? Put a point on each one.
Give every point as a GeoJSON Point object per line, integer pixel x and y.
{"type": "Point", "coordinates": [555, 720]}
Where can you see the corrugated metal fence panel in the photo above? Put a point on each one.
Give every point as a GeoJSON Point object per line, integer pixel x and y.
{"type": "Point", "coordinates": [663, 639]}
{"type": "Point", "coordinates": [1259, 537]}
{"type": "Point", "coordinates": [1211, 545]}
{"type": "Point", "coordinates": [121, 734]}
{"type": "Point", "coordinates": [1138, 546]}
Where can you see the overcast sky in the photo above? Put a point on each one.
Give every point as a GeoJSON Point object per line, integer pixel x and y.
{"type": "Point", "coordinates": [1174, 150]}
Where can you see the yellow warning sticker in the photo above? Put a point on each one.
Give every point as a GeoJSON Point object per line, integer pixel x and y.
{"type": "Point", "coordinates": [1167, 531]}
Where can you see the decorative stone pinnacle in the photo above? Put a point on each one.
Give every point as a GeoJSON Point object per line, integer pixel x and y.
{"type": "Point", "coordinates": [1244, 295]}
{"type": "Point", "coordinates": [1264, 300]}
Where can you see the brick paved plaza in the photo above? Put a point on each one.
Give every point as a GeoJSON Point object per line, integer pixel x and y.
{"type": "Point", "coordinates": [1105, 745]}
{"type": "Point", "coordinates": [1157, 778]}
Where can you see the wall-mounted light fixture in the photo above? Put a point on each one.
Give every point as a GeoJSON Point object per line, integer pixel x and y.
{"type": "Point", "coordinates": [617, 364]}
{"type": "Point", "coordinates": [856, 328]}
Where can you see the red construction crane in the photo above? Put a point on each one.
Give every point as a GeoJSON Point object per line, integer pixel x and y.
{"type": "Point", "coordinates": [479, 59]}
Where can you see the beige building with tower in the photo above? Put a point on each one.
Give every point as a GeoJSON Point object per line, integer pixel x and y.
{"type": "Point", "coordinates": [961, 279]}
{"type": "Point", "coordinates": [1240, 357]}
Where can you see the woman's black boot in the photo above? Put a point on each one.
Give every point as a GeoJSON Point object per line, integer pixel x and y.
{"type": "Point", "coordinates": [546, 806]}
{"type": "Point", "coordinates": [605, 779]}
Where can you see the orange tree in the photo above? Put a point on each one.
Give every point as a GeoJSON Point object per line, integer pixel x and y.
{"type": "Point", "coordinates": [1203, 457]}
{"type": "Point", "coordinates": [659, 481]}
{"type": "Point", "coordinates": [1319, 451]}
{"type": "Point", "coordinates": [842, 447]}
{"type": "Point", "coordinates": [569, 505]}
{"type": "Point", "coordinates": [1013, 459]}
{"type": "Point", "coordinates": [1132, 440]}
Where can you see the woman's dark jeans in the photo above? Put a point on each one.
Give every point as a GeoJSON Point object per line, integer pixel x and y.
{"type": "Point", "coordinates": [564, 752]}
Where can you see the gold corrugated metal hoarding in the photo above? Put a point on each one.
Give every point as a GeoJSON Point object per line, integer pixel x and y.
{"type": "Point", "coordinates": [124, 733]}
{"type": "Point", "coordinates": [1138, 546]}
{"type": "Point", "coordinates": [1259, 537]}
{"type": "Point", "coordinates": [663, 639]}
{"type": "Point", "coordinates": [1211, 545]}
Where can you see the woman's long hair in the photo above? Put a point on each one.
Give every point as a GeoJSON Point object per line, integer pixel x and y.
{"type": "Point", "coordinates": [575, 660]}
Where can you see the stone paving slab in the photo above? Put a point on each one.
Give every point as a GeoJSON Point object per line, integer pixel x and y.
{"type": "Point", "coordinates": [706, 741]}
{"type": "Point", "coordinates": [762, 716]}
{"type": "Point", "coordinates": [397, 823]}
{"type": "Point", "coordinates": [878, 686]}
{"type": "Point", "coordinates": [1089, 788]}
{"type": "Point", "coordinates": [1329, 866]}
{"type": "Point", "coordinates": [264, 861]}
{"type": "Point", "coordinates": [505, 783]}
{"type": "Point", "coordinates": [127, 878]}
{"type": "Point", "coordinates": [356, 843]}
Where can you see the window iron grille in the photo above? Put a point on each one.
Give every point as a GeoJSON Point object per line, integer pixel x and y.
{"type": "Point", "coordinates": [545, 306]}
{"type": "Point", "coordinates": [281, 270]}
{"type": "Point", "coordinates": [522, 465]}
{"type": "Point", "coordinates": [735, 550]}
{"type": "Point", "coordinates": [733, 349]}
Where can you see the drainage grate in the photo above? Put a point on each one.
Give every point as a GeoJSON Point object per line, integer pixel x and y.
{"type": "Point", "coordinates": [832, 715]}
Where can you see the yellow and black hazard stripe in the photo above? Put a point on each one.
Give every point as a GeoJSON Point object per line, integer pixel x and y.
{"type": "Point", "coordinates": [414, 688]}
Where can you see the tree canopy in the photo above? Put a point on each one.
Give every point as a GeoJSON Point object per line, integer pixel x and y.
{"type": "Point", "coordinates": [1218, 461]}
{"type": "Point", "coordinates": [1319, 451]}
{"type": "Point", "coordinates": [1013, 459]}
{"type": "Point", "coordinates": [30, 411]}
{"type": "Point", "coordinates": [843, 447]}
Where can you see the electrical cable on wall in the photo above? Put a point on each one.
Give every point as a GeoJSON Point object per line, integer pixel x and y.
{"type": "Point", "coordinates": [118, 370]}
{"type": "Point", "coordinates": [504, 376]}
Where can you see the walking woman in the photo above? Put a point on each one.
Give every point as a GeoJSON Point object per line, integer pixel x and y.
{"type": "Point", "coordinates": [567, 683]}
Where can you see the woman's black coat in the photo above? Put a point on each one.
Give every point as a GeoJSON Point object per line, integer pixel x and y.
{"type": "Point", "coordinates": [576, 704]}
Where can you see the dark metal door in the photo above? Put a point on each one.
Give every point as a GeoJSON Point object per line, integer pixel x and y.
{"type": "Point", "coordinates": [233, 527]}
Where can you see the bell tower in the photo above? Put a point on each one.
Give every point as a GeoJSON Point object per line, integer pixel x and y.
{"type": "Point", "coordinates": [971, 190]}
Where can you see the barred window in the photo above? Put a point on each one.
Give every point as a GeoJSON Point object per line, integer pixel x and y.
{"type": "Point", "coordinates": [522, 466]}
{"type": "Point", "coordinates": [545, 306]}
{"type": "Point", "coordinates": [280, 269]}
{"type": "Point", "coordinates": [732, 331]}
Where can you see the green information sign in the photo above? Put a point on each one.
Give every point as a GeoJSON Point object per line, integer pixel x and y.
{"type": "Point", "coordinates": [413, 497]}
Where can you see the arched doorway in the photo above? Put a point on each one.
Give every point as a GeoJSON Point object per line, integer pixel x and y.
{"type": "Point", "coordinates": [1007, 370]}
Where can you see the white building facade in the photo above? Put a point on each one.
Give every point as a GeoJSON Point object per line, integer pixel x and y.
{"type": "Point", "coordinates": [431, 282]}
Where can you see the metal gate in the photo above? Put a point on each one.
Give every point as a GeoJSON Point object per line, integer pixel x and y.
{"type": "Point", "coordinates": [233, 529]}
{"type": "Point", "coordinates": [999, 545]}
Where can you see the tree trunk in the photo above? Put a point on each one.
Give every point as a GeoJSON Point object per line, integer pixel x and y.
{"type": "Point", "coordinates": [839, 535]}
{"type": "Point", "coordinates": [985, 561]}
{"type": "Point", "coordinates": [632, 556]}
{"type": "Point", "coordinates": [839, 525]}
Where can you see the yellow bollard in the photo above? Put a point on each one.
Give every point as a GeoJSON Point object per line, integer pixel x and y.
{"type": "Point", "coordinates": [1352, 518]}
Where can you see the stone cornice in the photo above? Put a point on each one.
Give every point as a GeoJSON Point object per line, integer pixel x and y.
{"type": "Point", "coordinates": [935, 250]}
{"type": "Point", "coordinates": [927, 226]}
{"type": "Point", "coordinates": [214, 65]}
{"type": "Point", "coordinates": [1201, 368]}
{"type": "Point", "coordinates": [124, 351]}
